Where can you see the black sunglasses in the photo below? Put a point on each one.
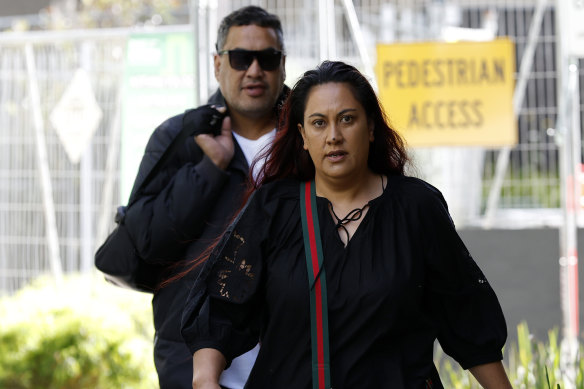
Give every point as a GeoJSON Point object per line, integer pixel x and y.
{"type": "Point", "coordinates": [240, 59]}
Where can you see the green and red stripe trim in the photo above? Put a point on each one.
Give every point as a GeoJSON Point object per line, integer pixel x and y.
{"type": "Point", "coordinates": [317, 284]}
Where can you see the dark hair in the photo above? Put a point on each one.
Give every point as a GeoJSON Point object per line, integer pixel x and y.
{"type": "Point", "coordinates": [287, 158]}
{"type": "Point", "coordinates": [250, 15]}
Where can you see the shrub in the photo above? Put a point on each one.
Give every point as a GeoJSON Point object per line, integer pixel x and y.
{"type": "Point", "coordinates": [89, 334]}
{"type": "Point", "coordinates": [529, 363]}
{"type": "Point", "coordinates": [85, 334]}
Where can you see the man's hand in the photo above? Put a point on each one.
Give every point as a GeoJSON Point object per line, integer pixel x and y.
{"type": "Point", "coordinates": [220, 148]}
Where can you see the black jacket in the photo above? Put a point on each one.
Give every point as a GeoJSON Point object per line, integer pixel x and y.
{"type": "Point", "coordinates": [181, 212]}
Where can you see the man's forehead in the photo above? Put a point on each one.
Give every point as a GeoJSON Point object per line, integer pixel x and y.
{"type": "Point", "coordinates": [251, 37]}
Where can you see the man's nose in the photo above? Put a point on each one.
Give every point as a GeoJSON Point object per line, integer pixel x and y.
{"type": "Point", "coordinates": [254, 69]}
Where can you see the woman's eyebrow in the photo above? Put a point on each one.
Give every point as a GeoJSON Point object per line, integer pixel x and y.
{"type": "Point", "coordinates": [318, 114]}
{"type": "Point", "coordinates": [347, 110]}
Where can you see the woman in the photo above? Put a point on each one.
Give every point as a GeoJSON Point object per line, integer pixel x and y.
{"type": "Point", "coordinates": [397, 274]}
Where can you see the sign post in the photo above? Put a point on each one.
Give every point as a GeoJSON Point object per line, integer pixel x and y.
{"type": "Point", "coordinates": [570, 43]}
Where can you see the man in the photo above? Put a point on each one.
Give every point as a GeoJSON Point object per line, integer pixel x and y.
{"type": "Point", "coordinates": [189, 203]}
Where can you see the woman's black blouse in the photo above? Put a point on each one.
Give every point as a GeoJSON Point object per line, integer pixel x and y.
{"type": "Point", "coordinates": [404, 279]}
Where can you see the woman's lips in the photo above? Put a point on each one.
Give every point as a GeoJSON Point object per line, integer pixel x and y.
{"type": "Point", "coordinates": [336, 156]}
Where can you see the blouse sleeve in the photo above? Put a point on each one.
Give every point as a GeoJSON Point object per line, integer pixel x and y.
{"type": "Point", "coordinates": [222, 310]}
{"type": "Point", "coordinates": [470, 322]}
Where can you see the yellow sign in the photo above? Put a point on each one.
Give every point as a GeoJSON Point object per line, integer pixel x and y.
{"type": "Point", "coordinates": [449, 94]}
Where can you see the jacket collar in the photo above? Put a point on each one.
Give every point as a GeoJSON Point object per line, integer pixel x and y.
{"type": "Point", "coordinates": [239, 162]}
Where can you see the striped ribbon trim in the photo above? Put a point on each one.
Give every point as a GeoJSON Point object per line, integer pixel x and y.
{"type": "Point", "coordinates": [317, 284]}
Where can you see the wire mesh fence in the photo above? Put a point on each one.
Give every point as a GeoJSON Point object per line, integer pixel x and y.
{"type": "Point", "coordinates": [74, 187]}
{"type": "Point", "coordinates": [531, 185]}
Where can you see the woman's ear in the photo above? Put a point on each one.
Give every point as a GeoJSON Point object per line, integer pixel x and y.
{"type": "Point", "coordinates": [371, 131]}
{"type": "Point", "coordinates": [301, 130]}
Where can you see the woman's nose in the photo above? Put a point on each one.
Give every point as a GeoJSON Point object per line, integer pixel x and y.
{"type": "Point", "coordinates": [334, 135]}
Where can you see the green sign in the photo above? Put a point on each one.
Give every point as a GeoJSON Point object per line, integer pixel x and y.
{"type": "Point", "coordinates": [159, 83]}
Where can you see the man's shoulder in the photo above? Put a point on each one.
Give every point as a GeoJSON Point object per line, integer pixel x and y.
{"type": "Point", "coordinates": [166, 132]}
{"type": "Point", "coordinates": [169, 127]}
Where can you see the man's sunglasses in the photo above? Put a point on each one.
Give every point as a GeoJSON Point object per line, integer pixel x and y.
{"type": "Point", "coordinates": [240, 59]}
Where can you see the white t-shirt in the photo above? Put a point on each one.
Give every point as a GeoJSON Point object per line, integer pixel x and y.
{"type": "Point", "coordinates": [252, 148]}
{"type": "Point", "coordinates": [236, 376]}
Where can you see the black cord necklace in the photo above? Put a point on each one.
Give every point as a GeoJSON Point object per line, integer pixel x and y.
{"type": "Point", "coordinates": [352, 216]}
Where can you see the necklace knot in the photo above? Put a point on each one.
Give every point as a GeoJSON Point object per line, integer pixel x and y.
{"type": "Point", "coordinates": [352, 216]}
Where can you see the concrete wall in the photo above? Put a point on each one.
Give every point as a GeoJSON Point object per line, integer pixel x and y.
{"type": "Point", "coordinates": [522, 267]}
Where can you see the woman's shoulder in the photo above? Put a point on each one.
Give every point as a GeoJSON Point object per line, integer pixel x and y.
{"type": "Point", "coordinates": [275, 194]}
{"type": "Point", "coordinates": [414, 190]}
{"type": "Point", "coordinates": [281, 189]}
{"type": "Point", "coordinates": [411, 185]}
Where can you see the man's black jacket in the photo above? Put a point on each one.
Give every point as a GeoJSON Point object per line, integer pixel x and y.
{"type": "Point", "coordinates": [180, 213]}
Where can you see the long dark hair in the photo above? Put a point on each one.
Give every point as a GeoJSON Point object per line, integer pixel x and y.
{"type": "Point", "coordinates": [287, 158]}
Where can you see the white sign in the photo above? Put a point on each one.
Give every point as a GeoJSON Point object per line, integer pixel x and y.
{"type": "Point", "coordinates": [76, 116]}
{"type": "Point", "coordinates": [575, 38]}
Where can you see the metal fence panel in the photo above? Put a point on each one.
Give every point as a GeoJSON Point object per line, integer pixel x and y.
{"type": "Point", "coordinates": [530, 194]}
{"type": "Point", "coordinates": [75, 188]}
{"type": "Point", "coordinates": [531, 181]}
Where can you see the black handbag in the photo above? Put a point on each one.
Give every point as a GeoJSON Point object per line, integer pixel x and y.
{"type": "Point", "coordinates": [117, 257]}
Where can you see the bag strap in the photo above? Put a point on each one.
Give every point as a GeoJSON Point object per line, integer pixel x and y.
{"type": "Point", "coordinates": [317, 284]}
{"type": "Point", "coordinates": [188, 126]}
